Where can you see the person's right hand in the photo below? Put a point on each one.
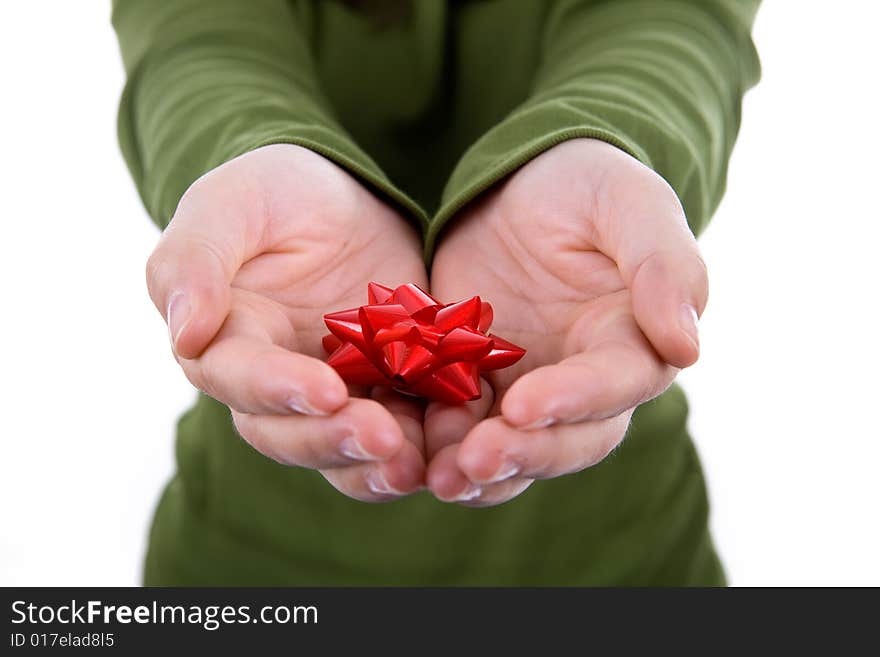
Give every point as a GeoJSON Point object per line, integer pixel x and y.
{"type": "Point", "coordinates": [258, 250]}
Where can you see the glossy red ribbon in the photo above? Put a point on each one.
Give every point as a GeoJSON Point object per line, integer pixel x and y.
{"type": "Point", "coordinates": [405, 339]}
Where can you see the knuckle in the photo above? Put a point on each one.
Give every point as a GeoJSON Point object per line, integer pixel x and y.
{"type": "Point", "coordinates": [544, 456]}
{"type": "Point", "coordinates": [211, 375]}
{"type": "Point", "coordinates": [499, 494]}
{"type": "Point", "coordinates": [365, 412]}
{"type": "Point", "coordinates": [596, 454]}
{"type": "Point", "coordinates": [353, 484]}
{"type": "Point", "coordinates": [248, 428]}
{"type": "Point", "coordinates": [292, 451]}
{"type": "Point", "coordinates": [614, 437]}
{"type": "Point", "coordinates": [242, 422]}
{"type": "Point", "coordinates": [593, 453]}
{"type": "Point", "coordinates": [154, 271]}
{"type": "Point", "coordinates": [204, 377]}
{"type": "Point", "coordinates": [193, 371]}
{"type": "Point", "coordinates": [701, 273]}
{"type": "Point", "coordinates": [312, 450]}
{"type": "Point", "coordinates": [697, 265]}
{"type": "Point", "coordinates": [253, 431]}
{"type": "Point", "coordinates": [196, 188]}
{"type": "Point", "coordinates": [217, 251]}
{"type": "Point", "coordinates": [270, 388]}
{"type": "Point", "coordinates": [673, 203]}
{"type": "Point", "coordinates": [644, 375]}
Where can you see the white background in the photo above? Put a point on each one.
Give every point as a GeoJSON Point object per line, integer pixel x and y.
{"type": "Point", "coordinates": [784, 398]}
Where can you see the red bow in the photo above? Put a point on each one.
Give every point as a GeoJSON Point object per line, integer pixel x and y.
{"type": "Point", "coordinates": [407, 340]}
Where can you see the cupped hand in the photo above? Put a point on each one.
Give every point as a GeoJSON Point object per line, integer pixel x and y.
{"type": "Point", "coordinates": [257, 252]}
{"type": "Point", "coordinates": [586, 256]}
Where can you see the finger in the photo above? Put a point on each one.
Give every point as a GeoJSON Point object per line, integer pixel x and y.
{"type": "Point", "coordinates": [599, 383]}
{"type": "Point", "coordinates": [448, 483]}
{"type": "Point", "coordinates": [669, 292]}
{"type": "Point", "coordinates": [494, 451]}
{"type": "Point", "coordinates": [363, 431]}
{"type": "Point", "coordinates": [190, 271]}
{"type": "Point", "coordinates": [407, 411]}
{"type": "Point", "coordinates": [660, 262]}
{"type": "Point", "coordinates": [402, 474]}
{"type": "Point", "coordinates": [253, 375]}
{"type": "Point", "coordinates": [446, 424]}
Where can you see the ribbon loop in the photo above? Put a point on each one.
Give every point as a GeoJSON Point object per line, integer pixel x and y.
{"type": "Point", "coordinates": [406, 340]}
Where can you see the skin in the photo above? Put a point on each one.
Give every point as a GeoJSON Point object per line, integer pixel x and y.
{"type": "Point", "coordinates": [589, 264]}
{"type": "Point", "coordinates": [584, 254]}
{"type": "Point", "coordinates": [257, 252]}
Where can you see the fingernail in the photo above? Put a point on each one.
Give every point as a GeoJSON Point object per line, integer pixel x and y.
{"type": "Point", "coordinates": [177, 316]}
{"type": "Point", "coordinates": [542, 423]}
{"type": "Point", "coordinates": [688, 319]}
{"type": "Point", "coordinates": [299, 405]}
{"type": "Point", "coordinates": [507, 470]}
{"type": "Point", "coordinates": [351, 448]}
{"type": "Point", "coordinates": [471, 491]}
{"type": "Point", "coordinates": [377, 484]}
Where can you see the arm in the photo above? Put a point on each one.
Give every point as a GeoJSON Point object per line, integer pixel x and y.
{"type": "Point", "coordinates": [237, 156]}
{"type": "Point", "coordinates": [662, 80]}
{"type": "Point", "coordinates": [587, 254]}
{"type": "Point", "coordinates": [209, 80]}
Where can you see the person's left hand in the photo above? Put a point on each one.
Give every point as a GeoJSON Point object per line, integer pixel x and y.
{"type": "Point", "coordinates": [586, 256]}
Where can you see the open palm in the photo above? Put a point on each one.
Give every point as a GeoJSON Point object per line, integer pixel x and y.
{"type": "Point", "coordinates": [258, 251]}
{"type": "Point", "coordinates": [586, 257]}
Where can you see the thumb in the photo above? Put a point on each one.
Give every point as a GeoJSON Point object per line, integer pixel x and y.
{"type": "Point", "coordinates": [669, 293]}
{"type": "Point", "coordinates": [660, 263]}
{"type": "Point", "coordinates": [189, 275]}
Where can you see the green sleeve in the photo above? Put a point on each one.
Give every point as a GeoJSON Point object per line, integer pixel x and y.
{"type": "Point", "coordinates": [211, 79]}
{"type": "Point", "coordinates": [660, 79]}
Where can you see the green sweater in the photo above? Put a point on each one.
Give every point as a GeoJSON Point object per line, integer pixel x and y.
{"type": "Point", "coordinates": [429, 103]}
